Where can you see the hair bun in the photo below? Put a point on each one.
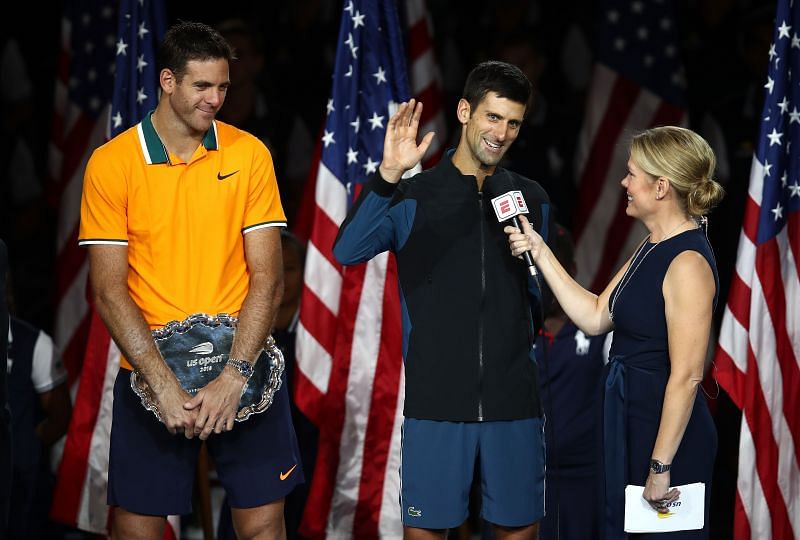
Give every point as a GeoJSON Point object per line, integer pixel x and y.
{"type": "Point", "coordinates": [704, 196]}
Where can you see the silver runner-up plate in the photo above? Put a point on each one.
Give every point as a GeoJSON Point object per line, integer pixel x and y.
{"type": "Point", "coordinates": [196, 350]}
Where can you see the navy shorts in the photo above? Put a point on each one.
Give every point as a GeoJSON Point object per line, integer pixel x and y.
{"type": "Point", "coordinates": [152, 472]}
{"type": "Point", "coordinates": [437, 464]}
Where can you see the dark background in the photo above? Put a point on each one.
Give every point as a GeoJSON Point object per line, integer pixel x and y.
{"type": "Point", "coordinates": [723, 44]}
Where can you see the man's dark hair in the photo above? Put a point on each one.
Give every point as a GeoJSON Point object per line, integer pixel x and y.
{"type": "Point", "coordinates": [187, 41]}
{"type": "Point", "coordinates": [506, 80]}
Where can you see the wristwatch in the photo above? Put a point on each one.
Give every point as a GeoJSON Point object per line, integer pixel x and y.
{"type": "Point", "coordinates": [657, 467]}
{"type": "Point", "coordinates": [244, 367]}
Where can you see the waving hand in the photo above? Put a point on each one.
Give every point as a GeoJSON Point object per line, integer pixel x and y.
{"type": "Point", "coordinates": [400, 149]}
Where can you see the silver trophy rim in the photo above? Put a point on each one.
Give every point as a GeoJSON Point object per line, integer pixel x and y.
{"type": "Point", "coordinates": [274, 355]}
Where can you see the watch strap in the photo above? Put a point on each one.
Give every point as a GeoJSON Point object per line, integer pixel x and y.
{"type": "Point", "coordinates": [657, 467]}
{"type": "Point", "coordinates": [244, 367]}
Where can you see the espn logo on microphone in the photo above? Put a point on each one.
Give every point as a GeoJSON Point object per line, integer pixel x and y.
{"type": "Point", "coordinates": [509, 205]}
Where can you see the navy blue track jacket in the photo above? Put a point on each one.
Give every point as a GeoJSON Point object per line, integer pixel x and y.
{"type": "Point", "coordinates": [468, 306]}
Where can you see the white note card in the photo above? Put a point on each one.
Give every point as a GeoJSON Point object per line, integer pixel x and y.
{"type": "Point", "coordinates": [687, 513]}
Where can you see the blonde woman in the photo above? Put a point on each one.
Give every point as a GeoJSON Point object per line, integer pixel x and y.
{"type": "Point", "coordinates": [657, 428]}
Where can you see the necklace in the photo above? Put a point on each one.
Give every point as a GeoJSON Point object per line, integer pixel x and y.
{"type": "Point", "coordinates": [634, 266]}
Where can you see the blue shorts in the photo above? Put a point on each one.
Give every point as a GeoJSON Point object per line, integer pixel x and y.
{"type": "Point", "coordinates": [437, 464]}
{"type": "Point", "coordinates": [152, 472]}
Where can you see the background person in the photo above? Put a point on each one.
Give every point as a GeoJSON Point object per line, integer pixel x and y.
{"type": "Point", "coordinates": [570, 377]}
{"type": "Point", "coordinates": [40, 411]}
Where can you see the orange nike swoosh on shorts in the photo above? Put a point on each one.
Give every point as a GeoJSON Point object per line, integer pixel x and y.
{"type": "Point", "coordinates": [284, 476]}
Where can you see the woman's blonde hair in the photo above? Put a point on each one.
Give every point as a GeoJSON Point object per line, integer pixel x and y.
{"type": "Point", "coordinates": [685, 159]}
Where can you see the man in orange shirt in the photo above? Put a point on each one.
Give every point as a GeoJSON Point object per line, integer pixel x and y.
{"type": "Point", "coordinates": [180, 215]}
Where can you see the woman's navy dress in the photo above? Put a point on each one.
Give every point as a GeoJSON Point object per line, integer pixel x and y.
{"type": "Point", "coordinates": [635, 385]}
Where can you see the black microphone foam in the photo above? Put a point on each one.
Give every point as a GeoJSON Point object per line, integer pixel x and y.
{"type": "Point", "coordinates": [497, 185]}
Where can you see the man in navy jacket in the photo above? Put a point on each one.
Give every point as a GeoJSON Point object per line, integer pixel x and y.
{"type": "Point", "coordinates": [467, 308]}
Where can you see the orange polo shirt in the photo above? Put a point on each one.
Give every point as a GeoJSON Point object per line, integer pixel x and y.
{"type": "Point", "coordinates": [183, 223]}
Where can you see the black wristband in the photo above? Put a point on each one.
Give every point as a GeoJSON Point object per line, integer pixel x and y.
{"type": "Point", "coordinates": [381, 186]}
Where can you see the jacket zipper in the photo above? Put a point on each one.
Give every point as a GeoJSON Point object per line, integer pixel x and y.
{"type": "Point", "coordinates": [480, 311]}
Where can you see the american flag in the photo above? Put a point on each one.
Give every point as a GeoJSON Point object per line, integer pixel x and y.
{"type": "Point", "coordinates": [80, 124]}
{"type": "Point", "coordinates": [759, 346]}
{"type": "Point", "coordinates": [350, 380]}
{"type": "Point", "coordinates": [426, 86]}
{"type": "Point", "coordinates": [96, 52]}
{"type": "Point", "coordinates": [425, 78]}
{"type": "Point", "coordinates": [638, 82]}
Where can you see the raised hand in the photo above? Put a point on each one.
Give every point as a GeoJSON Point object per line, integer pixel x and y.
{"type": "Point", "coordinates": [400, 149]}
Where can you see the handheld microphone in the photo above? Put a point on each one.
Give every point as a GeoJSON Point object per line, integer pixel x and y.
{"type": "Point", "coordinates": [508, 203]}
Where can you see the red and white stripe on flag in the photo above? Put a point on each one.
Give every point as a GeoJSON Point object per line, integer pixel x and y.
{"type": "Point", "coordinates": [79, 495]}
{"type": "Point", "coordinates": [74, 137]}
{"type": "Point", "coordinates": [425, 78]}
{"type": "Point", "coordinates": [759, 344]}
{"type": "Point", "coordinates": [632, 89]}
{"type": "Point", "coordinates": [757, 364]}
{"type": "Point", "coordinates": [356, 479]}
{"type": "Point", "coordinates": [616, 109]}
{"type": "Point", "coordinates": [349, 349]}
{"type": "Point", "coordinates": [79, 126]}
{"type": "Point", "coordinates": [349, 381]}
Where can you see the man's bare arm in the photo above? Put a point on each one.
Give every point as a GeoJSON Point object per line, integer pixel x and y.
{"type": "Point", "coordinates": [219, 400]}
{"type": "Point", "coordinates": [108, 275]}
{"type": "Point", "coordinates": [257, 316]}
